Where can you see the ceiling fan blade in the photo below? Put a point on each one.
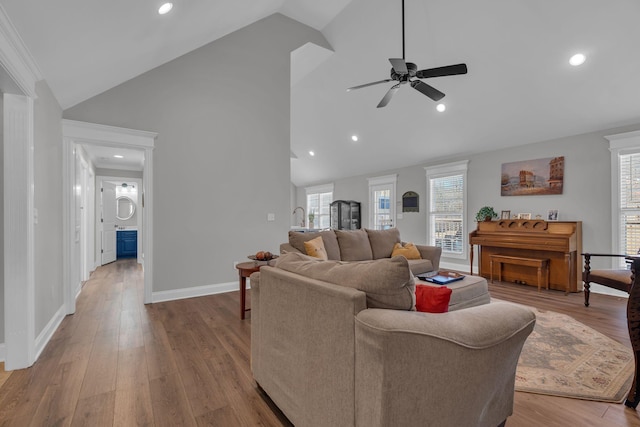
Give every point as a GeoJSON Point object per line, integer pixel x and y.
{"type": "Point", "coordinates": [384, 101]}
{"type": "Point", "coordinates": [369, 84]}
{"type": "Point", "coordinates": [430, 91]}
{"type": "Point", "coordinates": [449, 70]}
{"type": "Point", "coordinates": [399, 65]}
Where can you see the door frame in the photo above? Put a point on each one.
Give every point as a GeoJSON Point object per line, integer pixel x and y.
{"type": "Point", "coordinates": [74, 133]}
{"type": "Point", "coordinates": [18, 76]}
{"type": "Point", "coordinates": [100, 179]}
{"type": "Point", "coordinates": [390, 182]}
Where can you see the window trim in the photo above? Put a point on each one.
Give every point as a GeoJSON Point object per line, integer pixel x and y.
{"type": "Point", "coordinates": [317, 189]}
{"type": "Point", "coordinates": [440, 171]}
{"type": "Point", "coordinates": [619, 144]}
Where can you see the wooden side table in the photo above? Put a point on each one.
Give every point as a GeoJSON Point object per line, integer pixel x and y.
{"type": "Point", "coordinates": [246, 269]}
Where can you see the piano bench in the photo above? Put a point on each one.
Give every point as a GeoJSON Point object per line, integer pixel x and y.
{"type": "Point", "coordinates": [542, 264]}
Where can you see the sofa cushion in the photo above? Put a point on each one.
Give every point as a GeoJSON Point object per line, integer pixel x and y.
{"type": "Point", "coordinates": [354, 245]}
{"type": "Point", "coordinates": [297, 239]}
{"type": "Point", "coordinates": [382, 241]}
{"type": "Point", "coordinates": [315, 248]}
{"type": "Point", "coordinates": [432, 299]}
{"type": "Point", "coordinates": [409, 251]}
{"type": "Point", "coordinates": [387, 282]}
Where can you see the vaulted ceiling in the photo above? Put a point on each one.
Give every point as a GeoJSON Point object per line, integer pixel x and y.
{"type": "Point", "coordinates": [520, 87]}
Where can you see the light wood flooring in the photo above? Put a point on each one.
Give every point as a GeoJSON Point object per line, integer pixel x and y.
{"type": "Point", "coordinates": [185, 363]}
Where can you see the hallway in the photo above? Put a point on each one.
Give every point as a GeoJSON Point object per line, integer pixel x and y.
{"type": "Point", "coordinates": [118, 362]}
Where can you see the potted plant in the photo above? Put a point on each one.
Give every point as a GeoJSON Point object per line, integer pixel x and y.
{"type": "Point", "coordinates": [311, 218]}
{"type": "Point", "coordinates": [486, 213]}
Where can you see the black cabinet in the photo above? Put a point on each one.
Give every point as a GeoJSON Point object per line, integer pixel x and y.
{"type": "Point", "coordinates": [345, 215]}
{"type": "Point", "coordinates": [127, 244]}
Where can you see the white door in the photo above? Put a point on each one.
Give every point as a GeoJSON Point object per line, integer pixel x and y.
{"type": "Point", "coordinates": [383, 207]}
{"type": "Point", "coordinates": [108, 205]}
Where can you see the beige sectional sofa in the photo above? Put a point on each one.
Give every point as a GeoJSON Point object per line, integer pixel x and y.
{"type": "Point", "coordinates": [337, 344]}
{"type": "Point", "coordinates": [363, 245]}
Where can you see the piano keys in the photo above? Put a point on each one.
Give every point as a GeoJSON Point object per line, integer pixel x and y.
{"type": "Point", "coordinates": [558, 241]}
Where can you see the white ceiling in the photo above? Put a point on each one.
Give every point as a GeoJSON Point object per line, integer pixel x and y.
{"type": "Point", "coordinates": [520, 87]}
{"type": "Point", "coordinates": [103, 157]}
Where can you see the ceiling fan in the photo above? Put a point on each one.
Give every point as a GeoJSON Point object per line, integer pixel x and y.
{"type": "Point", "coordinates": [407, 72]}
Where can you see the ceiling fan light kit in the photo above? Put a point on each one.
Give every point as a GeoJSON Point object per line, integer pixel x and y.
{"type": "Point", "coordinates": [404, 72]}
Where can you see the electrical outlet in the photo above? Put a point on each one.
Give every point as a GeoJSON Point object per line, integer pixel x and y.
{"type": "Point", "coordinates": [235, 263]}
{"type": "Point", "coordinates": [271, 217]}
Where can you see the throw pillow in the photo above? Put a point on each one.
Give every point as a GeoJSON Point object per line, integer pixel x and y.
{"type": "Point", "coordinates": [297, 239]}
{"type": "Point", "coordinates": [315, 248]}
{"type": "Point", "coordinates": [432, 299]}
{"type": "Point", "coordinates": [409, 251]}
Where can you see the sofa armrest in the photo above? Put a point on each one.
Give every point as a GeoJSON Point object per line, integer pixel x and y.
{"type": "Point", "coordinates": [287, 247]}
{"type": "Point", "coordinates": [471, 354]}
{"type": "Point", "coordinates": [432, 253]}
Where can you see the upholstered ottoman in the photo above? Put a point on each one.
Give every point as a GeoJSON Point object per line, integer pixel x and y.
{"type": "Point", "coordinates": [468, 292]}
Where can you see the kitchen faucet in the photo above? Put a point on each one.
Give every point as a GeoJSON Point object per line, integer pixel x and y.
{"type": "Point", "coordinates": [303, 217]}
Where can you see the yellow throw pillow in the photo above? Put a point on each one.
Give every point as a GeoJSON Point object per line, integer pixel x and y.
{"type": "Point", "coordinates": [409, 251]}
{"type": "Point", "coordinates": [315, 248]}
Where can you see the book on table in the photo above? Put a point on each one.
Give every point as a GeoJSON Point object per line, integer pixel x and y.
{"type": "Point", "coordinates": [441, 277]}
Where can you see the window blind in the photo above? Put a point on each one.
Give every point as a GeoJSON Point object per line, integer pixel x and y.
{"type": "Point", "coordinates": [446, 210]}
{"type": "Point", "coordinates": [629, 182]}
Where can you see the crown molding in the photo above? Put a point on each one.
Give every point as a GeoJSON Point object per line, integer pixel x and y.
{"type": "Point", "coordinates": [16, 59]}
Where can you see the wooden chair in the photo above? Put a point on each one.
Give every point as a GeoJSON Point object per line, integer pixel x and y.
{"type": "Point", "coordinates": [633, 323]}
{"type": "Point", "coordinates": [619, 279]}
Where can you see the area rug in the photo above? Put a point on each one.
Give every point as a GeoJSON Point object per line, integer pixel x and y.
{"type": "Point", "coordinates": [563, 357]}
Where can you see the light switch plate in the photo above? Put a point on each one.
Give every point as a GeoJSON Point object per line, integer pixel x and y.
{"type": "Point", "coordinates": [271, 217]}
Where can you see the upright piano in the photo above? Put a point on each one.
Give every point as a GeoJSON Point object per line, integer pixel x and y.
{"type": "Point", "coordinates": [558, 241]}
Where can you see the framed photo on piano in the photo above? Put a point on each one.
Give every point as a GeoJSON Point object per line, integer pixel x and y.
{"type": "Point", "coordinates": [552, 215]}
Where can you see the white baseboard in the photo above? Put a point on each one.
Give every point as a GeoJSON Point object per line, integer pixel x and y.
{"type": "Point", "coordinates": [45, 336]}
{"type": "Point", "coordinates": [3, 352]}
{"type": "Point", "coordinates": [197, 291]}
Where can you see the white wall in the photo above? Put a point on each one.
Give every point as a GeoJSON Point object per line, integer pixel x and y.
{"type": "Point", "coordinates": [586, 196]}
{"type": "Point", "coordinates": [48, 202]}
{"type": "Point", "coordinates": [223, 122]}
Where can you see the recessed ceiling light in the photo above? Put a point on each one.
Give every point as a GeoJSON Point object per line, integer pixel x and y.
{"type": "Point", "coordinates": [118, 156]}
{"type": "Point", "coordinates": [441, 107]}
{"type": "Point", "coordinates": [165, 8]}
{"type": "Point", "coordinates": [311, 153]}
{"type": "Point", "coordinates": [354, 138]}
{"type": "Point", "coordinates": [577, 59]}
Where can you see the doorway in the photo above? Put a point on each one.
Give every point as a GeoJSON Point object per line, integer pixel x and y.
{"type": "Point", "coordinates": [87, 137]}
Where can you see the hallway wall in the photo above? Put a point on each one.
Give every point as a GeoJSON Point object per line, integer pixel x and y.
{"type": "Point", "coordinates": [48, 202]}
{"type": "Point", "coordinates": [1, 220]}
{"type": "Point", "coordinates": [222, 157]}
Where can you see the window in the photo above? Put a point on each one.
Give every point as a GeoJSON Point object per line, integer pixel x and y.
{"type": "Point", "coordinates": [446, 207]}
{"type": "Point", "coordinates": [382, 206]}
{"type": "Point", "coordinates": [319, 199]}
{"type": "Point", "coordinates": [625, 164]}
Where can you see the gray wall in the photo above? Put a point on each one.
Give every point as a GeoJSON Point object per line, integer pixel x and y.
{"type": "Point", "coordinates": [223, 119]}
{"type": "Point", "coordinates": [1, 219]}
{"type": "Point", "coordinates": [48, 201]}
{"type": "Point", "coordinates": [586, 196]}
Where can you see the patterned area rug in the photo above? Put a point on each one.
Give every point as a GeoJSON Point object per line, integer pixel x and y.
{"type": "Point", "coordinates": [563, 357]}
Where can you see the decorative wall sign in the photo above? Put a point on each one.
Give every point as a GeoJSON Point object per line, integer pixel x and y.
{"type": "Point", "coordinates": [533, 177]}
{"type": "Point", "coordinates": [410, 202]}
